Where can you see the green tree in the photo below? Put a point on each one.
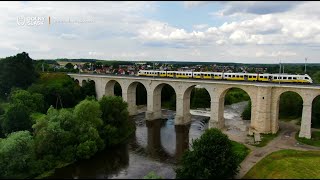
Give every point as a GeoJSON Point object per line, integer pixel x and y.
{"type": "Point", "coordinates": [290, 105]}
{"type": "Point", "coordinates": [89, 89]}
{"type": "Point", "coordinates": [59, 90]}
{"type": "Point", "coordinates": [17, 118]}
{"type": "Point", "coordinates": [116, 125]}
{"type": "Point", "coordinates": [211, 157]}
{"type": "Point", "coordinates": [69, 66]}
{"type": "Point", "coordinates": [88, 113]}
{"type": "Point", "coordinates": [16, 71]}
{"type": "Point", "coordinates": [316, 77]}
{"type": "Point", "coordinates": [200, 98]}
{"type": "Point", "coordinates": [114, 111]}
{"type": "Point", "coordinates": [235, 95]}
{"type": "Point", "coordinates": [50, 138]}
{"type": "Point", "coordinates": [17, 155]}
{"type": "Point", "coordinates": [33, 101]}
{"type": "Point", "coordinates": [68, 135]}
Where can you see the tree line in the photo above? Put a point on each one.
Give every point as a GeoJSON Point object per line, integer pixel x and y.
{"type": "Point", "coordinates": [49, 120]}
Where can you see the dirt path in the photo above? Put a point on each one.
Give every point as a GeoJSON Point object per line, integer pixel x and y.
{"type": "Point", "coordinates": [285, 140]}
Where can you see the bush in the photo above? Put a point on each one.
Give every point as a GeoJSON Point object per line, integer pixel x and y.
{"type": "Point", "coordinates": [212, 157]}
{"type": "Point", "coordinates": [17, 118]}
{"type": "Point", "coordinates": [17, 155]}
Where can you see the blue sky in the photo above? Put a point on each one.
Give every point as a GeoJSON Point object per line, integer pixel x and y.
{"type": "Point", "coordinates": [214, 31]}
{"type": "Point", "coordinates": [177, 14]}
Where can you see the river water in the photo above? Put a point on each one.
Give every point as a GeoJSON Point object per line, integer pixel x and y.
{"type": "Point", "coordinates": [155, 146]}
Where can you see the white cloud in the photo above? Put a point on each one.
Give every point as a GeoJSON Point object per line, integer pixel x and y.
{"type": "Point", "coordinates": [200, 26]}
{"type": "Point", "coordinates": [283, 54]}
{"type": "Point", "coordinates": [189, 4]}
{"type": "Point", "coordinates": [68, 36]}
{"type": "Point", "coordinates": [128, 30]}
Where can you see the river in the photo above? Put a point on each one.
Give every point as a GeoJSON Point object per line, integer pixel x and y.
{"type": "Point", "coordinates": [155, 146]}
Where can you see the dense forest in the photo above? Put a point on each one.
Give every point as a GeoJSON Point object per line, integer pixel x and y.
{"type": "Point", "coordinates": [47, 120]}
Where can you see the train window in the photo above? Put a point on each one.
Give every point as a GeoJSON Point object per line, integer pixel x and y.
{"type": "Point", "coordinates": [237, 76]}
{"type": "Point", "coordinates": [250, 76]}
{"type": "Point", "coordinates": [289, 77]}
{"type": "Point", "coordinates": [275, 77]}
{"type": "Point", "coordinates": [284, 77]}
{"type": "Point", "coordinates": [294, 77]}
{"type": "Point", "coordinates": [254, 76]}
{"type": "Point", "coordinates": [306, 78]}
{"type": "Point", "coordinates": [261, 77]}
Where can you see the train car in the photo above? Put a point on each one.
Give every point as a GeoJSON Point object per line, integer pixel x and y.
{"type": "Point", "coordinates": [284, 78]}
{"type": "Point", "coordinates": [183, 74]}
{"type": "Point", "coordinates": [152, 73]}
{"type": "Point", "coordinates": [240, 76]}
{"type": "Point", "coordinates": [291, 78]}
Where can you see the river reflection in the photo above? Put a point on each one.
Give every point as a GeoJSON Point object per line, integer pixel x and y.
{"type": "Point", "coordinates": [155, 146]}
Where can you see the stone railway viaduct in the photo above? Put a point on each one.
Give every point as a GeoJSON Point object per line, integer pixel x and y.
{"type": "Point", "coordinates": [264, 98]}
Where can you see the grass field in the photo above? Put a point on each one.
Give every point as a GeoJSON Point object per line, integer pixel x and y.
{"type": "Point", "coordinates": [241, 150]}
{"type": "Point", "coordinates": [287, 164]}
{"type": "Point", "coordinates": [265, 139]}
{"type": "Point", "coordinates": [314, 141]}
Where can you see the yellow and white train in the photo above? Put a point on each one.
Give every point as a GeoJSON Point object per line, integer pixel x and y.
{"type": "Point", "coordinates": [287, 78]}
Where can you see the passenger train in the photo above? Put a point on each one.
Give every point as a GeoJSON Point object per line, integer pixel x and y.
{"type": "Point", "coordinates": [287, 78]}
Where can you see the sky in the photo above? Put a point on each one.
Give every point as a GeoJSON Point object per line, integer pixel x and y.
{"type": "Point", "coordinates": [206, 31]}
